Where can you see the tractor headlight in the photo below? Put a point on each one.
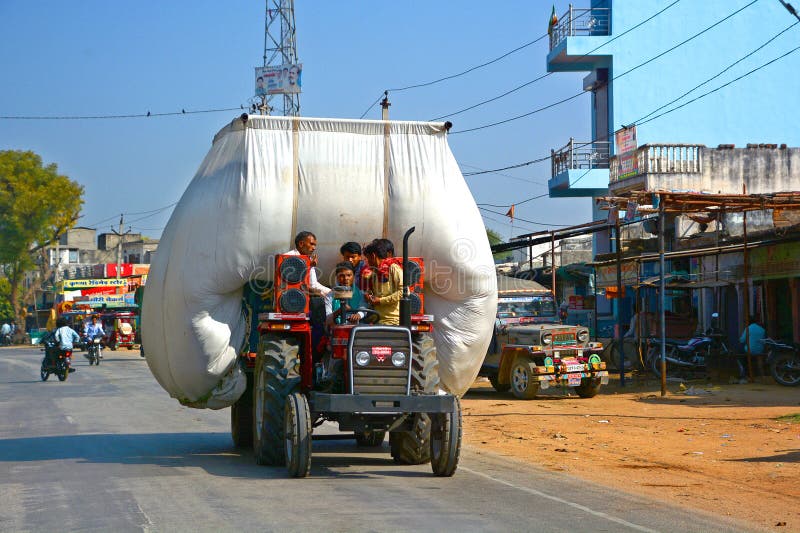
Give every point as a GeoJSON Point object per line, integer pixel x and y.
{"type": "Point", "coordinates": [583, 335]}
{"type": "Point", "coordinates": [398, 358]}
{"type": "Point", "coordinates": [362, 358]}
{"type": "Point", "coordinates": [547, 338]}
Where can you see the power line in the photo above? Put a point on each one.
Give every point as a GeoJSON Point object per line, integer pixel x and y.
{"type": "Point", "coordinates": [525, 164]}
{"type": "Point", "coordinates": [640, 121]}
{"type": "Point", "coordinates": [445, 78]}
{"type": "Point", "coordinates": [793, 50]}
{"type": "Point", "coordinates": [524, 220]}
{"type": "Point", "coordinates": [518, 203]}
{"type": "Point", "coordinates": [509, 176]}
{"type": "Point", "coordinates": [105, 117]}
{"type": "Point", "coordinates": [154, 211]}
{"type": "Point", "coordinates": [587, 54]}
{"type": "Point", "coordinates": [543, 108]}
{"type": "Point", "coordinates": [718, 74]}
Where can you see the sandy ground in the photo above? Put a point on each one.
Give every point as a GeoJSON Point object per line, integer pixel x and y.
{"type": "Point", "coordinates": [719, 448]}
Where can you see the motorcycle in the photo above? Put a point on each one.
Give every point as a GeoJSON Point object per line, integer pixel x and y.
{"type": "Point", "coordinates": [784, 362]}
{"type": "Point", "coordinates": [687, 357]}
{"type": "Point", "coordinates": [93, 347]}
{"type": "Point", "coordinates": [56, 361]}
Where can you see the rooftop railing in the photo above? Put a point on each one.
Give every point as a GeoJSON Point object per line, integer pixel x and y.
{"type": "Point", "coordinates": [581, 22]}
{"type": "Point", "coordinates": [579, 155]}
{"type": "Point", "coordinates": [657, 159]}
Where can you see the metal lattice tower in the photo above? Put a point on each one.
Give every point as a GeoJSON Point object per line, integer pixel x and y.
{"type": "Point", "coordinates": [280, 47]}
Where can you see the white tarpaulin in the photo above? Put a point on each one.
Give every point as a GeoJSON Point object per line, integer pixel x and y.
{"type": "Point", "coordinates": [267, 178]}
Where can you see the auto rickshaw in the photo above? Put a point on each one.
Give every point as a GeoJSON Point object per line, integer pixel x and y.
{"type": "Point", "coordinates": [120, 328]}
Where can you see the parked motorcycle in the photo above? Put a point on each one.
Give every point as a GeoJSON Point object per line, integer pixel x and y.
{"type": "Point", "coordinates": [93, 347]}
{"type": "Point", "coordinates": [784, 362]}
{"type": "Point", "coordinates": [56, 361]}
{"type": "Point", "coordinates": [687, 357]}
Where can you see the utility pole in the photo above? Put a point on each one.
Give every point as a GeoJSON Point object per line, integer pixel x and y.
{"type": "Point", "coordinates": [120, 236]}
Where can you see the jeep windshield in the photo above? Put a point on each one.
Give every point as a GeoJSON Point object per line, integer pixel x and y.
{"type": "Point", "coordinates": [525, 306]}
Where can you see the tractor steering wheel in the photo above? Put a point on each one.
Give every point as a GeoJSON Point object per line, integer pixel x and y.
{"type": "Point", "coordinates": [371, 316]}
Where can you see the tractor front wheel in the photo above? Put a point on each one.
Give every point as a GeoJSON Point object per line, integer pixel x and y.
{"type": "Point", "coordinates": [446, 441]}
{"type": "Point", "coordinates": [297, 430]}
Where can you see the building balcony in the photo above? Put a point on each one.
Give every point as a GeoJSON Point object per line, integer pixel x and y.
{"type": "Point", "coordinates": [579, 169]}
{"type": "Point", "coordinates": [654, 167]}
{"type": "Point", "coordinates": [579, 31]}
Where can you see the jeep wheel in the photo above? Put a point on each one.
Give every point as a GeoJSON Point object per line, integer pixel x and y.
{"type": "Point", "coordinates": [522, 381]}
{"type": "Point", "coordinates": [588, 388]}
{"type": "Point", "coordinates": [413, 447]}
{"type": "Point", "coordinates": [275, 378]}
{"type": "Point", "coordinates": [242, 417]}
{"type": "Point", "coordinates": [446, 441]}
{"type": "Point", "coordinates": [297, 430]}
{"type": "Point", "coordinates": [495, 381]}
{"type": "Point", "coordinates": [370, 439]}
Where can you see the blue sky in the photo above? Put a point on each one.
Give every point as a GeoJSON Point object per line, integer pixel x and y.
{"type": "Point", "coordinates": [97, 57]}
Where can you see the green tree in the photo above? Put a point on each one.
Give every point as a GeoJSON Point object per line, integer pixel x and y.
{"type": "Point", "coordinates": [37, 206]}
{"type": "Point", "coordinates": [6, 311]}
{"type": "Point", "coordinates": [495, 238]}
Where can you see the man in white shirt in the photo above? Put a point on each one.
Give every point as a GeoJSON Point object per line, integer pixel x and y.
{"type": "Point", "coordinates": [305, 244]}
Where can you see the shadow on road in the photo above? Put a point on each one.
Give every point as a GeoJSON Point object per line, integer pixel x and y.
{"type": "Point", "coordinates": [213, 452]}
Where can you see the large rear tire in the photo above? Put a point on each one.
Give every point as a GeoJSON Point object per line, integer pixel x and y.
{"type": "Point", "coordinates": [785, 369]}
{"type": "Point", "coordinates": [446, 441]}
{"type": "Point", "coordinates": [413, 447]}
{"type": "Point", "coordinates": [522, 379]}
{"type": "Point", "coordinates": [242, 417]}
{"type": "Point", "coordinates": [276, 377]}
{"type": "Point", "coordinates": [297, 430]}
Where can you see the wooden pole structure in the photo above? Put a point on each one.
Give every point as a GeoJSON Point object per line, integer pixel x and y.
{"type": "Point", "coordinates": [745, 260]}
{"type": "Point", "coordinates": [619, 302]}
{"type": "Point", "coordinates": [662, 298]}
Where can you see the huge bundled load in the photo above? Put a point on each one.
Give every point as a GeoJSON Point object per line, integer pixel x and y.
{"type": "Point", "coordinates": [267, 178]}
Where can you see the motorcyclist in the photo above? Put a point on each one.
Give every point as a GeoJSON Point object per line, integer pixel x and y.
{"type": "Point", "coordinates": [5, 333]}
{"type": "Point", "coordinates": [65, 336]}
{"type": "Point", "coordinates": [91, 330]}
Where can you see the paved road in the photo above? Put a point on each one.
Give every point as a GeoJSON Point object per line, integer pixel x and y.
{"type": "Point", "coordinates": [108, 450]}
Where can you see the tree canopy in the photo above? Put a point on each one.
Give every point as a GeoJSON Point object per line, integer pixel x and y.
{"type": "Point", "coordinates": [37, 206]}
{"type": "Point", "coordinates": [495, 238]}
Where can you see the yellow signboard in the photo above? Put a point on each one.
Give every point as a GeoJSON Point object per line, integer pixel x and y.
{"type": "Point", "coordinates": [76, 284]}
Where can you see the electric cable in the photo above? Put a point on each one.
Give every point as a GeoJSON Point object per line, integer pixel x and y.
{"type": "Point", "coordinates": [587, 54]}
{"type": "Point", "coordinates": [543, 108]}
{"type": "Point", "coordinates": [509, 176]}
{"type": "Point", "coordinates": [525, 220]}
{"type": "Point", "coordinates": [105, 117]}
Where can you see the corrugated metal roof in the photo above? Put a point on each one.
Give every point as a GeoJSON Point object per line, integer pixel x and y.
{"type": "Point", "coordinates": [506, 284]}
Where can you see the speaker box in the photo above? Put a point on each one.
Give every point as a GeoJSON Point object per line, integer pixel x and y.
{"type": "Point", "coordinates": [416, 280]}
{"type": "Point", "coordinates": [291, 284]}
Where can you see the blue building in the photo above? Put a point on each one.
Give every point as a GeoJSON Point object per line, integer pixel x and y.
{"type": "Point", "coordinates": [691, 75]}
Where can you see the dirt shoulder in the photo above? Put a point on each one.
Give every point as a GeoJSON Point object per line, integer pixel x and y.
{"type": "Point", "coordinates": [718, 448]}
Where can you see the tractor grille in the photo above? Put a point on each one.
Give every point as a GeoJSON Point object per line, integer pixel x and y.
{"type": "Point", "coordinates": [380, 376]}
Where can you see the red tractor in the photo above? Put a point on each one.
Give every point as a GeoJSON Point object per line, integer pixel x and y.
{"type": "Point", "coordinates": [370, 379]}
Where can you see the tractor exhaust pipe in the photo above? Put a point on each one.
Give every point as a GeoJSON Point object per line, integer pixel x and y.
{"type": "Point", "coordinates": [405, 301]}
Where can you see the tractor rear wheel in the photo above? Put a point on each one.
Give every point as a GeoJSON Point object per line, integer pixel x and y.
{"type": "Point", "coordinates": [297, 430]}
{"type": "Point", "coordinates": [446, 441]}
{"type": "Point", "coordinates": [242, 417]}
{"type": "Point", "coordinates": [275, 379]}
{"type": "Point", "coordinates": [412, 447]}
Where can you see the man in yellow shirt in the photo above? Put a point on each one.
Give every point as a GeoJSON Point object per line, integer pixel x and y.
{"type": "Point", "coordinates": [385, 281]}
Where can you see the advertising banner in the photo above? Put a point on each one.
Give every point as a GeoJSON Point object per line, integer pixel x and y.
{"type": "Point", "coordinates": [283, 79]}
{"type": "Point", "coordinates": [110, 300]}
{"type": "Point", "coordinates": [72, 284]}
{"type": "Point", "coordinates": [109, 270]}
{"type": "Point", "coordinates": [625, 140]}
{"type": "Point", "coordinates": [607, 275]}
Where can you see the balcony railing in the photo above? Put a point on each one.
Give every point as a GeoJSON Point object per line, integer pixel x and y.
{"type": "Point", "coordinates": [581, 22]}
{"type": "Point", "coordinates": [657, 159]}
{"type": "Point", "coordinates": [579, 155]}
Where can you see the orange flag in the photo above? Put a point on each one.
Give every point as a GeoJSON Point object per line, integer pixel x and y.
{"type": "Point", "coordinates": [510, 213]}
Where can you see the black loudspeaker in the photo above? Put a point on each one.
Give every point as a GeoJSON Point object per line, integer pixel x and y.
{"type": "Point", "coordinates": [291, 283]}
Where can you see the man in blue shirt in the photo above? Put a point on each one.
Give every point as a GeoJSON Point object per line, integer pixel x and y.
{"type": "Point", "coordinates": [65, 336]}
{"type": "Point", "coordinates": [344, 278]}
{"type": "Point", "coordinates": [93, 329]}
{"type": "Point", "coordinates": [752, 341]}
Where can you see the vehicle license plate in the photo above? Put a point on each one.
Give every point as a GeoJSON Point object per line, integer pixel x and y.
{"type": "Point", "coordinates": [573, 379]}
{"type": "Point", "coordinates": [575, 368]}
